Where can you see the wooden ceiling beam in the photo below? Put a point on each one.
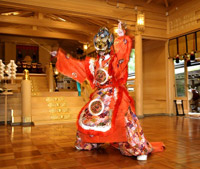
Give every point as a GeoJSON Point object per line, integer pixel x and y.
{"type": "Point", "coordinates": [175, 4]}
{"type": "Point", "coordinates": [166, 3]}
{"type": "Point", "coordinates": [5, 10]}
{"type": "Point", "coordinates": [149, 1]}
{"type": "Point", "coordinates": [44, 34]}
{"type": "Point", "coordinates": [87, 8]}
{"type": "Point", "coordinates": [48, 23]}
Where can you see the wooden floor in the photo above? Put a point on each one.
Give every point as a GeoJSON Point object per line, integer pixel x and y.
{"type": "Point", "coordinates": [51, 146]}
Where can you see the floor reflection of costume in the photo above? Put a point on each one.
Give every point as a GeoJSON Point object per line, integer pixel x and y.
{"type": "Point", "coordinates": [109, 116]}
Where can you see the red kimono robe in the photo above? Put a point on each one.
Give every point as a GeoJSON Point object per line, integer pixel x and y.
{"type": "Point", "coordinates": [109, 116]}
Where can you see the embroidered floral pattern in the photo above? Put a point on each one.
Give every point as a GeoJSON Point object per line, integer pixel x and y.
{"type": "Point", "coordinates": [84, 146]}
{"type": "Point", "coordinates": [96, 107]}
{"type": "Point", "coordinates": [136, 144]}
{"type": "Point", "coordinates": [101, 76]}
{"type": "Point", "coordinates": [101, 116]}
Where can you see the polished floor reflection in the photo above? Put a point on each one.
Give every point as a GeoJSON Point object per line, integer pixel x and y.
{"type": "Point", "coordinates": [51, 147]}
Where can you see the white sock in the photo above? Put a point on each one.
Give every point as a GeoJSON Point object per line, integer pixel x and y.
{"type": "Point", "coordinates": [142, 157]}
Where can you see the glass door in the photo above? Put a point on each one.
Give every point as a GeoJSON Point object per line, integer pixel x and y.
{"type": "Point", "coordinates": [194, 87]}
{"type": "Point", "coordinates": [181, 87]}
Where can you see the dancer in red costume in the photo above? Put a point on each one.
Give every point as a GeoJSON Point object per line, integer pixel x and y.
{"type": "Point", "coordinates": [109, 116]}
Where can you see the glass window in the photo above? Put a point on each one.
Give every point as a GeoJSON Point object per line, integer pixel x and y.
{"type": "Point", "coordinates": [131, 71]}
{"type": "Point", "coordinates": [131, 63]}
{"type": "Point", "coordinates": [180, 78]}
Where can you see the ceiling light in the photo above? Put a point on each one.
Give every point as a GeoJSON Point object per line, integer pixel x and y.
{"type": "Point", "coordinates": [61, 19]}
{"type": "Point", "coordinates": [115, 29]}
{"type": "Point", "coordinates": [140, 21]}
{"type": "Point", "coordinates": [10, 13]}
{"type": "Point", "coordinates": [85, 47]}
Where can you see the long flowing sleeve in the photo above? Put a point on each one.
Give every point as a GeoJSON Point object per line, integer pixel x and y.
{"type": "Point", "coordinates": [70, 67]}
{"type": "Point", "coordinates": [122, 46]}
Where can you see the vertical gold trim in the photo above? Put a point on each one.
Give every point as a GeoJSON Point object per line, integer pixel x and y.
{"type": "Point", "coordinates": [26, 75]}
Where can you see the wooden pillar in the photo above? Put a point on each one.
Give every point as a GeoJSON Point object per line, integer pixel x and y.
{"type": "Point", "coordinates": [51, 88]}
{"type": "Point", "coordinates": [139, 76]}
{"type": "Point", "coordinates": [170, 82]}
{"type": "Point", "coordinates": [186, 102]}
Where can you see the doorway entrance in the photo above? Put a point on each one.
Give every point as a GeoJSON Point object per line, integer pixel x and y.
{"type": "Point", "coordinates": [187, 85]}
